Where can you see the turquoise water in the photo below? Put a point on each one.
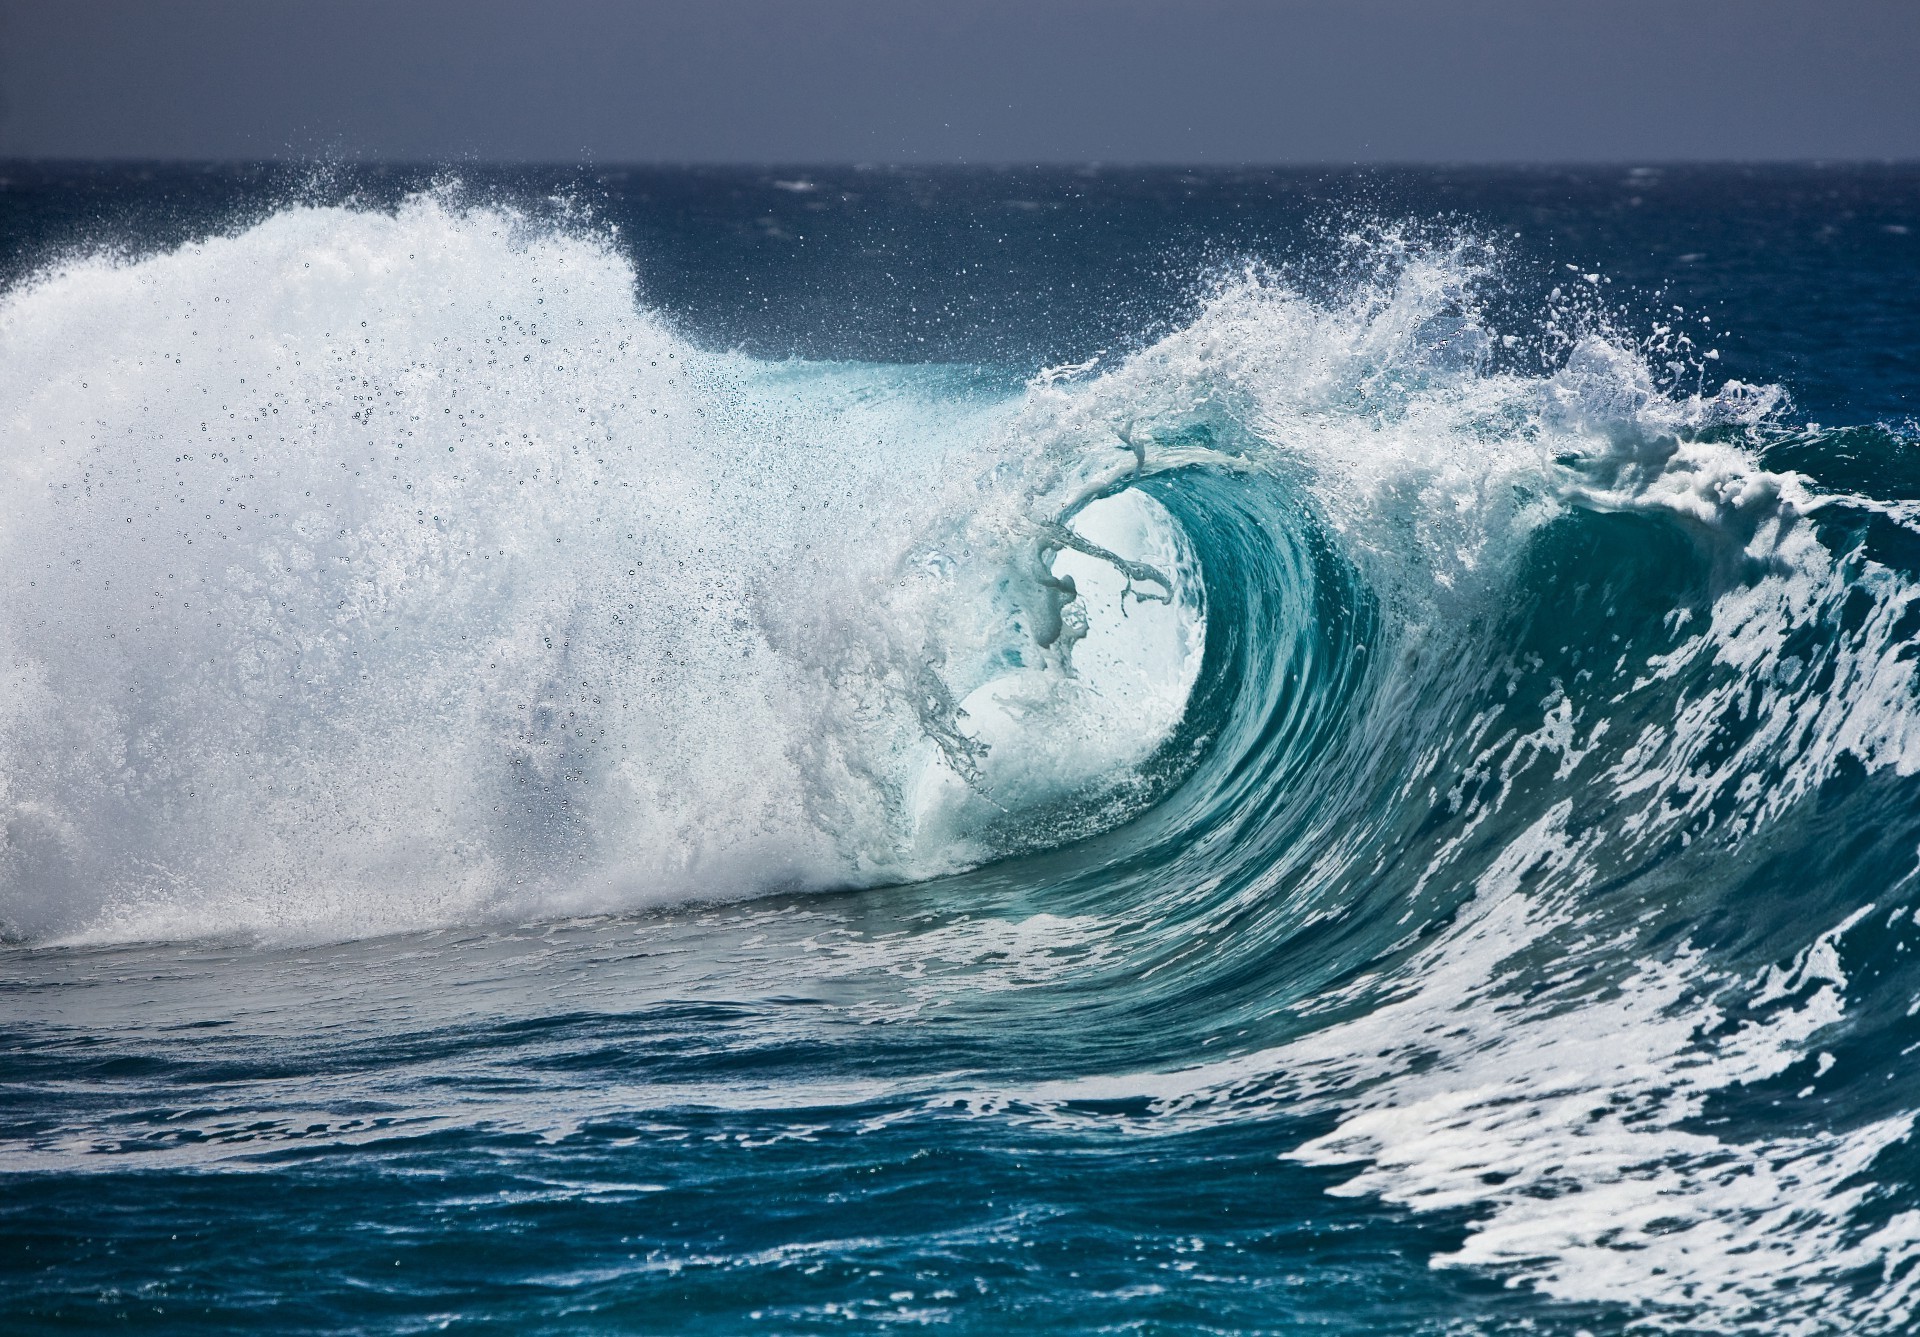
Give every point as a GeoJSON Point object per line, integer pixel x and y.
{"type": "Point", "coordinates": [1010, 752]}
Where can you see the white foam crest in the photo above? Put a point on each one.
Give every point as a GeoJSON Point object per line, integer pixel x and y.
{"type": "Point", "coordinates": [1851, 692]}
{"type": "Point", "coordinates": [373, 571]}
{"type": "Point", "coordinates": [1436, 470]}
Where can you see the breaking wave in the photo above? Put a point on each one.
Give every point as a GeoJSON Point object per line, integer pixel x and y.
{"type": "Point", "coordinates": [1514, 756]}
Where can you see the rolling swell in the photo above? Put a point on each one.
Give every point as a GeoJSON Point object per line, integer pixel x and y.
{"type": "Point", "coordinates": [1510, 804]}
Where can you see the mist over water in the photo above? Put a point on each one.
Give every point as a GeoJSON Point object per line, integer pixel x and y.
{"type": "Point", "coordinates": [1384, 801]}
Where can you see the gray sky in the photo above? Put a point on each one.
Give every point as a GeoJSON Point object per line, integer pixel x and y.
{"type": "Point", "coordinates": [994, 81]}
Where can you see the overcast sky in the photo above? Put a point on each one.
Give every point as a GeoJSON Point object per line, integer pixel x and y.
{"type": "Point", "coordinates": [988, 81]}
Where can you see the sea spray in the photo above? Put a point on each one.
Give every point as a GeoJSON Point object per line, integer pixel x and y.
{"type": "Point", "coordinates": [385, 570]}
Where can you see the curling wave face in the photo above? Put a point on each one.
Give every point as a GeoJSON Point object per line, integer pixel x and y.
{"type": "Point", "coordinates": [1502, 777]}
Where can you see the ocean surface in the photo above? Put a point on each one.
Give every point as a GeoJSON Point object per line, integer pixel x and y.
{"type": "Point", "coordinates": [995, 751]}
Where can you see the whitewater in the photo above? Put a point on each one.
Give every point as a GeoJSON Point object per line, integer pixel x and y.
{"type": "Point", "coordinates": [1385, 803]}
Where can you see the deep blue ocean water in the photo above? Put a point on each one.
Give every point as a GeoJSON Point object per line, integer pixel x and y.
{"type": "Point", "coordinates": [1003, 751]}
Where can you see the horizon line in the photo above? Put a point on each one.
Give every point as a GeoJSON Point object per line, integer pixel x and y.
{"type": "Point", "coordinates": [897, 164]}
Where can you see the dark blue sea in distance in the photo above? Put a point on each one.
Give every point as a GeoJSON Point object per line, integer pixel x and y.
{"type": "Point", "coordinates": [998, 751]}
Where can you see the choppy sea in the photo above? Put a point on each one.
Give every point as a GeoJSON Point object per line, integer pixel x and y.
{"type": "Point", "coordinates": [993, 751]}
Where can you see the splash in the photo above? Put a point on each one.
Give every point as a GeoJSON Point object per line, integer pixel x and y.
{"type": "Point", "coordinates": [1453, 747]}
{"type": "Point", "coordinates": [379, 571]}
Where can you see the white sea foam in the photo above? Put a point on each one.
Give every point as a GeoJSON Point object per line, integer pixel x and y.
{"type": "Point", "coordinates": [370, 571]}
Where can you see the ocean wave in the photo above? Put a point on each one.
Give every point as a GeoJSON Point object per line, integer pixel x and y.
{"type": "Point", "coordinates": [1510, 759]}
